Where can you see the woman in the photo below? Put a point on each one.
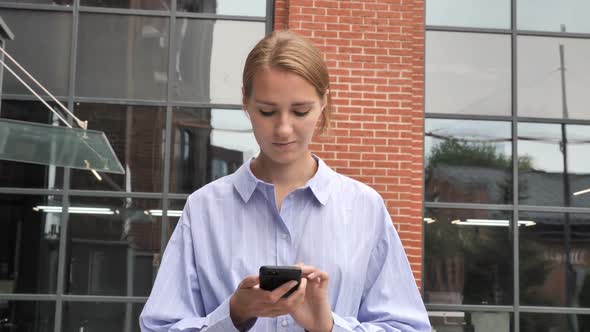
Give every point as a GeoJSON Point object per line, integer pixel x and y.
{"type": "Point", "coordinates": [285, 207]}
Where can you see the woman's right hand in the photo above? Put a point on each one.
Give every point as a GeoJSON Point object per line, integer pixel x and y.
{"type": "Point", "coordinates": [250, 301]}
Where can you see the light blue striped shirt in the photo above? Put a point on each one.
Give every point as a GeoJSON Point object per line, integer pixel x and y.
{"type": "Point", "coordinates": [230, 227]}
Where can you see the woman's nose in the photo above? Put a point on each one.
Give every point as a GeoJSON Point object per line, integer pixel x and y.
{"type": "Point", "coordinates": [284, 127]}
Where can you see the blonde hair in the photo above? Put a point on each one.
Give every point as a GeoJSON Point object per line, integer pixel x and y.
{"type": "Point", "coordinates": [292, 53]}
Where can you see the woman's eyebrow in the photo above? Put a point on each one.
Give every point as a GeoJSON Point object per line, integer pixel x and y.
{"type": "Point", "coordinates": [295, 104]}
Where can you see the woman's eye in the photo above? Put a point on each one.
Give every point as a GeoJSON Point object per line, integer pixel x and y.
{"type": "Point", "coordinates": [266, 113]}
{"type": "Point", "coordinates": [301, 113]}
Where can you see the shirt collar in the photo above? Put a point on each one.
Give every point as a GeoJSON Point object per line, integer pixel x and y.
{"type": "Point", "coordinates": [245, 182]}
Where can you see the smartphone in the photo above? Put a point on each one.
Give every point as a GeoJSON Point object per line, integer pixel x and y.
{"type": "Point", "coordinates": [272, 277]}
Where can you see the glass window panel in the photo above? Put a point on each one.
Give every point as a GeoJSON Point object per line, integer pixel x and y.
{"type": "Point", "coordinates": [29, 244]}
{"type": "Point", "coordinates": [468, 161]}
{"type": "Point", "coordinates": [540, 82]}
{"type": "Point", "coordinates": [101, 316]}
{"type": "Point", "coordinates": [209, 58]}
{"type": "Point", "coordinates": [27, 175]}
{"type": "Point", "coordinates": [469, 13]}
{"type": "Point", "coordinates": [20, 316]}
{"type": "Point", "coordinates": [468, 257]}
{"type": "Point", "coordinates": [542, 322]}
{"type": "Point", "coordinates": [53, 68]}
{"type": "Point", "coordinates": [131, 4]}
{"type": "Point", "coordinates": [543, 179]}
{"type": "Point", "coordinates": [137, 136]}
{"type": "Point", "coordinates": [114, 244]}
{"type": "Point", "coordinates": [208, 144]}
{"type": "Point", "coordinates": [555, 259]}
{"type": "Point", "coordinates": [551, 15]}
{"type": "Point", "coordinates": [175, 209]}
{"type": "Point", "coordinates": [122, 56]}
{"type": "Point", "coordinates": [468, 73]}
{"type": "Point", "coordinates": [224, 7]}
{"type": "Point", "coordinates": [459, 321]}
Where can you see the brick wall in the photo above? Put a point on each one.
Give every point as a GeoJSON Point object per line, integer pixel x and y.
{"type": "Point", "coordinates": [375, 52]}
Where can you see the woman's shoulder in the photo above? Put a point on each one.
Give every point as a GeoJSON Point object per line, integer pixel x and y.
{"type": "Point", "coordinates": [216, 189]}
{"type": "Point", "coordinates": [343, 184]}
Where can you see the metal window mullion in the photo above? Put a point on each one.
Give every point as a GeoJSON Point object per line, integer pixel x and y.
{"type": "Point", "coordinates": [20, 97]}
{"type": "Point", "coordinates": [270, 16]}
{"type": "Point", "coordinates": [31, 191]}
{"type": "Point", "coordinates": [36, 7]}
{"type": "Point", "coordinates": [115, 194]}
{"type": "Point", "coordinates": [515, 187]}
{"type": "Point", "coordinates": [204, 105]}
{"type": "Point", "coordinates": [104, 298]}
{"type": "Point", "coordinates": [469, 206]}
{"type": "Point", "coordinates": [469, 307]}
{"type": "Point", "coordinates": [119, 101]}
{"type": "Point", "coordinates": [168, 126]}
{"type": "Point", "coordinates": [124, 11]}
{"type": "Point", "coordinates": [61, 266]}
{"type": "Point", "coordinates": [216, 17]}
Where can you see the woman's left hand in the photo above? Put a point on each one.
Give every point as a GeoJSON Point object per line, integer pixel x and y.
{"type": "Point", "coordinates": [314, 314]}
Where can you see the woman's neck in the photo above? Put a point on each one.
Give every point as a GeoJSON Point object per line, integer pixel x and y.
{"type": "Point", "coordinates": [292, 175]}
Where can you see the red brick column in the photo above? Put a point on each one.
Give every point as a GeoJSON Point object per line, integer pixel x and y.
{"type": "Point", "coordinates": [375, 52]}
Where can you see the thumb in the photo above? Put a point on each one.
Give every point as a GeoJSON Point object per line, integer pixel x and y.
{"type": "Point", "coordinates": [249, 282]}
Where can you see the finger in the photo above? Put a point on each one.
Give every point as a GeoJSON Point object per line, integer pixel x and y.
{"type": "Point", "coordinates": [307, 269]}
{"type": "Point", "coordinates": [278, 293]}
{"type": "Point", "coordinates": [249, 282]}
{"type": "Point", "coordinates": [320, 275]}
{"type": "Point", "coordinates": [298, 297]}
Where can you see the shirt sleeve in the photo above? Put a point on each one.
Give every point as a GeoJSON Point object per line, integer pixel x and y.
{"type": "Point", "coordinates": [391, 300]}
{"type": "Point", "coordinates": [175, 303]}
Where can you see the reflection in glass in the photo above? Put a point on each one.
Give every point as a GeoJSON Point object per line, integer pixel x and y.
{"type": "Point", "coordinates": [175, 209]}
{"type": "Point", "coordinates": [459, 321]}
{"type": "Point", "coordinates": [555, 260]}
{"type": "Point", "coordinates": [551, 175]}
{"type": "Point", "coordinates": [143, 4]}
{"type": "Point", "coordinates": [113, 246]}
{"type": "Point", "coordinates": [540, 82]}
{"type": "Point", "coordinates": [209, 59]}
{"type": "Point", "coordinates": [469, 13]}
{"type": "Point", "coordinates": [468, 257]}
{"type": "Point", "coordinates": [101, 316]}
{"type": "Point", "coordinates": [468, 161]}
{"type": "Point", "coordinates": [121, 56]}
{"type": "Point", "coordinates": [224, 7]}
{"type": "Point", "coordinates": [53, 68]}
{"type": "Point", "coordinates": [550, 15]}
{"type": "Point", "coordinates": [208, 144]}
{"type": "Point", "coordinates": [136, 134]}
{"type": "Point", "coordinates": [20, 316]}
{"type": "Point", "coordinates": [467, 73]}
{"type": "Point", "coordinates": [541, 322]}
{"type": "Point", "coordinates": [26, 175]}
{"type": "Point", "coordinates": [29, 244]}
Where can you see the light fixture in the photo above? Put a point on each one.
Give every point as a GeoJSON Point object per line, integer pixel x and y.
{"type": "Point", "coordinates": [170, 213]}
{"type": "Point", "coordinates": [491, 222]}
{"type": "Point", "coordinates": [74, 209]}
{"type": "Point", "coordinates": [582, 192]}
{"type": "Point", "coordinates": [429, 220]}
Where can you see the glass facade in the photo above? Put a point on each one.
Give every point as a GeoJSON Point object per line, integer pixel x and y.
{"type": "Point", "coordinates": [79, 250]}
{"type": "Point", "coordinates": [506, 166]}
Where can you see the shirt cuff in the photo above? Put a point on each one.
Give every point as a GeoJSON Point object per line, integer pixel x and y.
{"type": "Point", "coordinates": [220, 320]}
{"type": "Point", "coordinates": [340, 324]}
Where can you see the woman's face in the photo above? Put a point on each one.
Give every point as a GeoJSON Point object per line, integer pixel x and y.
{"type": "Point", "coordinates": [284, 110]}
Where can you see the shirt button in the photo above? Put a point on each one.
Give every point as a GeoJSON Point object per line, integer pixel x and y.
{"type": "Point", "coordinates": [285, 236]}
{"type": "Point", "coordinates": [284, 323]}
